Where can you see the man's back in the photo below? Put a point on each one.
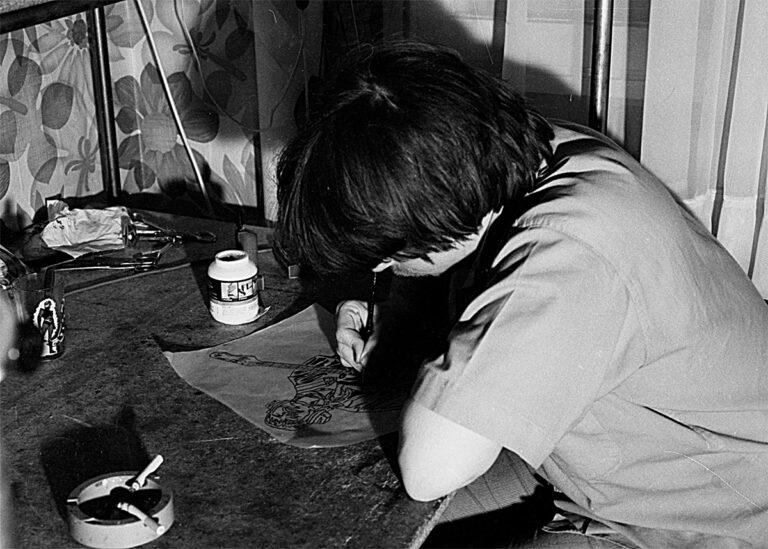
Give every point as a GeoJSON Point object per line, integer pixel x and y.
{"type": "Point", "coordinates": [619, 348]}
{"type": "Point", "coordinates": [692, 414]}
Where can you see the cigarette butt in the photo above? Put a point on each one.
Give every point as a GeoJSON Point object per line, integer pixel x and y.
{"type": "Point", "coordinates": [141, 478]}
{"type": "Point", "coordinates": [145, 518]}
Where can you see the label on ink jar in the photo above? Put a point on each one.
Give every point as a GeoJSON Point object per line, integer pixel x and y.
{"type": "Point", "coordinates": [232, 291]}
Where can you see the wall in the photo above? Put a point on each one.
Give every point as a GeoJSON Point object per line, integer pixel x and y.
{"type": "Point", "coordinates": [547, 46]}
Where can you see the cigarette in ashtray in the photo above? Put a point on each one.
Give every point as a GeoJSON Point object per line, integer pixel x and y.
{"type": "Point", "coordinates": [145, 518]}
{"type": "Point", "coordinates": [141, 478]}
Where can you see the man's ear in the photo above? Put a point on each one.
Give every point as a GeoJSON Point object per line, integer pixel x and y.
{"type": "Point", "coordinates": [386, 263]}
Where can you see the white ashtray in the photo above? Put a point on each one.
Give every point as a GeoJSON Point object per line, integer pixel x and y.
{"type": "Point", "coordinates": [104, 513]}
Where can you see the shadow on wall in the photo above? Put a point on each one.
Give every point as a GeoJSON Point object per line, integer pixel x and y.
{"type": "Point", "coordinates": [544, 35]}
{"type": "Point", "coordinates": [482, 46]}
{"type": "Point", "coordinates": [349, 24]}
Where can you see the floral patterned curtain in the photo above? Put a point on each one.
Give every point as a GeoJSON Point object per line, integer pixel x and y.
{"type": "Point", "coordinates": [208, 50]}
{"type": "Point", "coordinates": [47, 146]}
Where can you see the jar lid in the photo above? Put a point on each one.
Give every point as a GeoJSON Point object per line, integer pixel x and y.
{"type": "Point", "coordinates": [231, 256]}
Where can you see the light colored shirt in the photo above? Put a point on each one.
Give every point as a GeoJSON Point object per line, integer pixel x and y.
{"type": "Point", "coordinates": [616, 346]}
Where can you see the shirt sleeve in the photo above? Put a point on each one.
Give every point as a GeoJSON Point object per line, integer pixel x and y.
{"type": "Point", "coordinates": [550, 333]}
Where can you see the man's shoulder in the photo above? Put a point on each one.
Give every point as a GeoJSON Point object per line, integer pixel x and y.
{"type": "Point", "coordinates": [595, 192]}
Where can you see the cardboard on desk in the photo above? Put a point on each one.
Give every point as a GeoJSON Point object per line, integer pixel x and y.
{"type": "Point", "coordinates": [286, 380]}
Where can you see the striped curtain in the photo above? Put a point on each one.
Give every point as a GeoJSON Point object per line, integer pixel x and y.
{"type": "Point", "coordinates": [705, 123]}
{"type": "Point", "coordinates": [688, 96]}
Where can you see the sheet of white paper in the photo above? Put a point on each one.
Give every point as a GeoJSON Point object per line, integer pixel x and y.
{"type": "Point", "coordinates": [287, 380]}
{"type": "Point", "coordinates": [80, 231]}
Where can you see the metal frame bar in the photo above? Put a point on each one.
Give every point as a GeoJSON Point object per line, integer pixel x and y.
{"type": "Point", "coordinates": [14, 19]}
{"type": "Point", "coordinates": [602, 35]}
{"type": "Point", "coordinates": [102, 96]}
{"type": "Point", "coordinates": [499, 35]}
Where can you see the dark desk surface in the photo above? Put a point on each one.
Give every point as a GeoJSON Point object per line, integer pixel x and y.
{"type": "Point", "coordinates": [112, 402]}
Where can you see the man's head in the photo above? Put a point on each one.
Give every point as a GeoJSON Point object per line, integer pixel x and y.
{"type": "Point", "coordinates": [407, 152]}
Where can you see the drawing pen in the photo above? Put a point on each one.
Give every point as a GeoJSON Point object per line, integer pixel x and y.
{"type": "Point", "coordinates": [371, 305]}
{"type": "Point", "coordinates": [367, 330]}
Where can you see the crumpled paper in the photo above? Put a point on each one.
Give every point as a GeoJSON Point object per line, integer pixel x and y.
{"type": "Point", "coordinates": [286, 380]}
{"type": "Point", "coordinates": [81, 231]}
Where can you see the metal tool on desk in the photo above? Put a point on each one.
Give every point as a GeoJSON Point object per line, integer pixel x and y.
{"type": "Point", "coordinates": [139, 262]}
{"type": "Point", "coordinates": [136, 233]}
{"type": "Point", "coordinates": [136, 230]}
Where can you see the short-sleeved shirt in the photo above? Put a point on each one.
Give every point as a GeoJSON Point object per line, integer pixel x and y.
{"type": "Point", "coordinates": [615, 345]}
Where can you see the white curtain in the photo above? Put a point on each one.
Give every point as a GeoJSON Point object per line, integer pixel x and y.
{"type": "Point", "coordinates": [706, 117]}
{"type": "Point", "coordinates": [688, 96]}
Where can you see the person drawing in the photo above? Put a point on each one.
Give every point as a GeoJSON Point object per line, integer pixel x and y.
{"type": "Point", "coordinates": [602, 337]}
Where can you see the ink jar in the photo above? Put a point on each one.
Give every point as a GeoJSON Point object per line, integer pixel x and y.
{"type": "Point", "coordinates": [233, 296]}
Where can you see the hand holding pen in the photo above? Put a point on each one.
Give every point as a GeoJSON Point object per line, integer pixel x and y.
{"type": "Point", "coordinates": [355, 333]}
{"type": "Point", "coordinates": [367, 333]}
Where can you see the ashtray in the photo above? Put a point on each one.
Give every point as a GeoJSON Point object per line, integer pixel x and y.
{"type": "Point", "coordinates": [108, 512]}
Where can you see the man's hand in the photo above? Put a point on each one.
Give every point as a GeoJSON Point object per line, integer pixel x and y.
{"type": "Point", "coordinates": [353, 345]}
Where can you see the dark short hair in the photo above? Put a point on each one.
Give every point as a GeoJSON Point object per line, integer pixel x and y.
{"type": "Point", "coordinates": [407, 152]}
